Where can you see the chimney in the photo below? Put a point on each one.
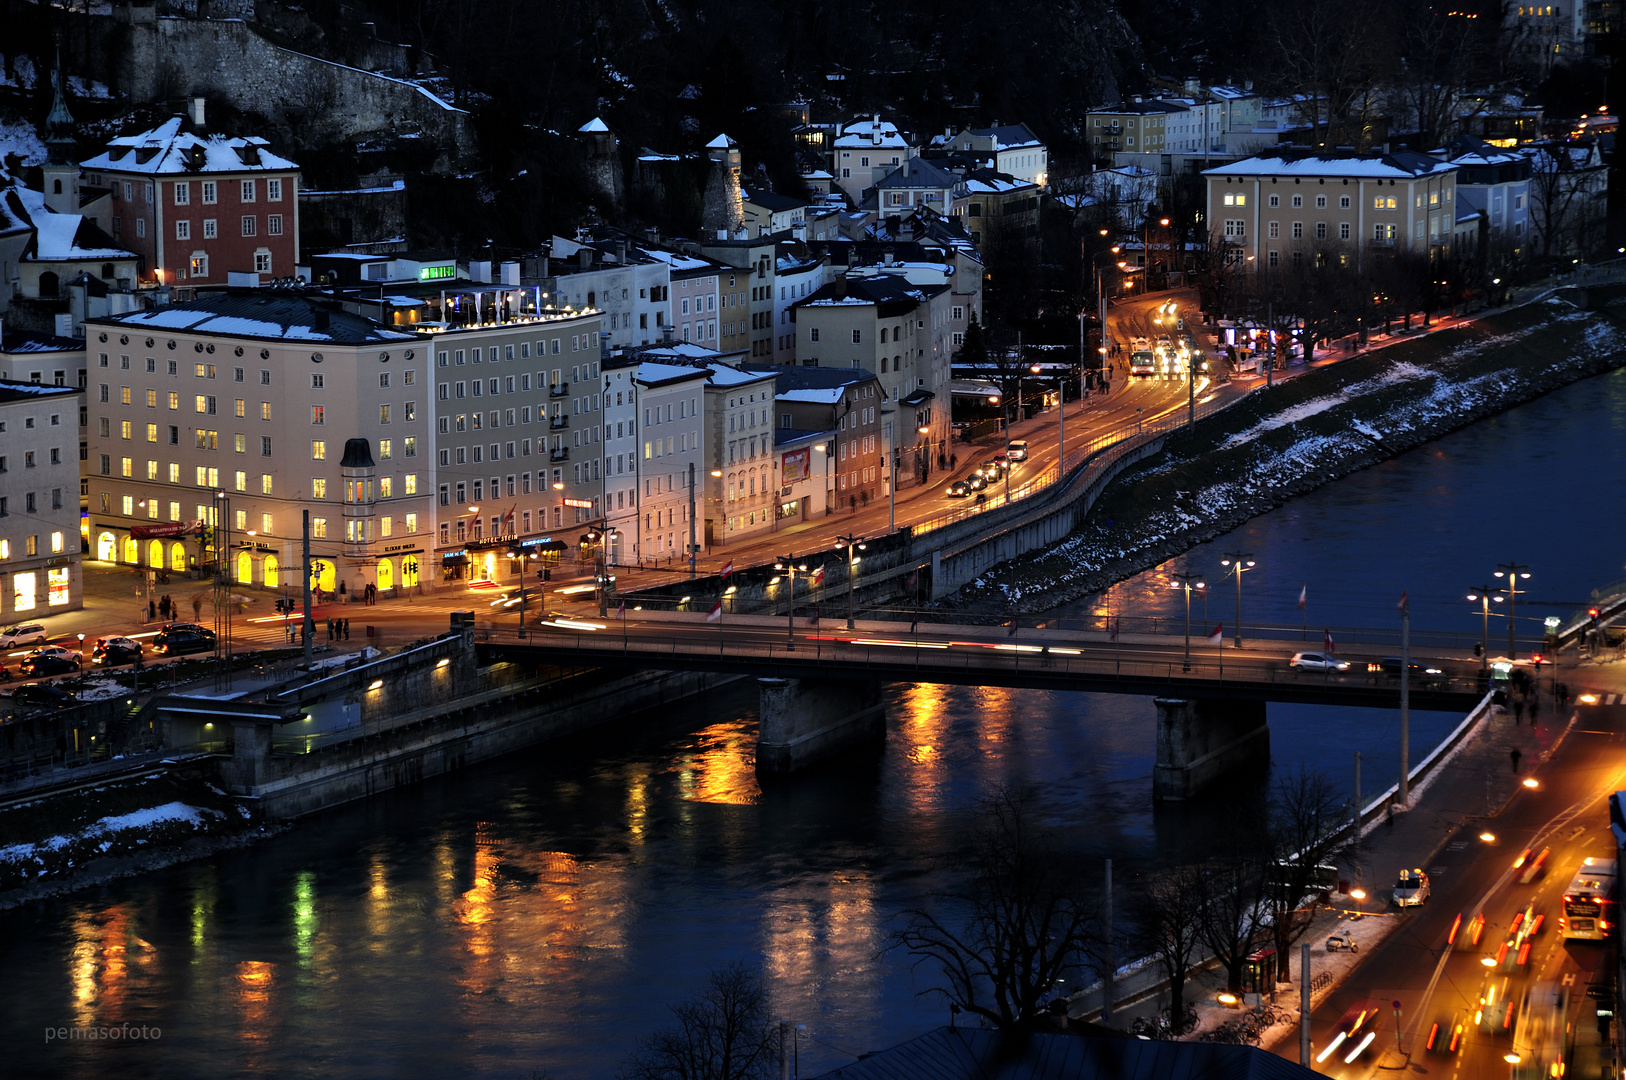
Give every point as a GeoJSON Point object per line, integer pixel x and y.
{"type": "Point", "coordinates": [722, 234]}
{"type": "Point", "coordinates": [584, 259]}
{"type": "Point", "coordinates": [906, 168]}
{"type": "Point", "coordinates": [798, 231]}
{"type": "Point", "coordinates": [480, 270]}
{"type": "Point", "coordinates": [195, 111]}
{"type": "Point", "coordinates": [510, 273]}
{"type": "Point", "coordinates": [320, 319]}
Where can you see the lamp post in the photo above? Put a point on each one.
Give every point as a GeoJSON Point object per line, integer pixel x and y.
{"type": "Point", "coordinates": [892, 488]}
{"type": "Point", "coordinates": [789, 565]}
{"type": "Point", "coordinates": [1514, 573]}
{"type": "Point", "coordinates": [852, 544]}
{"type": "Point", "coordinates": [1486, 597]}
{"type": "Point", "coordinates": [1239, 562]}
{"type": "Point", "coordinates": [692, 540]}
{"type": "Point", "coordinates": [1188, 582]}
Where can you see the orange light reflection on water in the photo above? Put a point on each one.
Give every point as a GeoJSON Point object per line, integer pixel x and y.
{"type": "Point", "coordinates": [256, 980]}
{"type": "Point", "coordinates": [99, 965]}
{"type": "Point", "coordinates": [818, 934]}
{"type": "Point", "coordinates": [723, 766]}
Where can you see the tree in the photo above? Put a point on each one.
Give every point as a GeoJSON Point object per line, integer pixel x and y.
{"type": "Point", "coordinates": [722, 1033]}
{"type": "Point", "coordinates": [1330, 53]}
{"type": "Point", "coordinates": [1169, 910]}
{"type": "Point", "coordinates": [1305, 824]}
{"type": "Point", "coordinates": [1233, 914]}
{"type": "Point", "coordinates": [1022, 933]}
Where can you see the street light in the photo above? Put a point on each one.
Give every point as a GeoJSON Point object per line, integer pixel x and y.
{"type": "Point", "coordinates": [1486, 597]}
{"type": "Point", "coordinates": [852, 544]}
{"type": "Point", "coordinates": [892, 488]}
{"type": "Point", "coordinates": [1061, 421]}
{"type": "Point", "coordinates": [789, 565]}
{"type": "Point", "coordinates": [1188, 582]}
{"type": "Point", "coordinates": [1239, 562]}
{"type": "Point", "coordinates": [1514, 573]}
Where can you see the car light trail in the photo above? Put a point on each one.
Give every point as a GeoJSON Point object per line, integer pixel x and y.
{"type": "Point", "coordinates": [572, 624]}
{"type": "Point", "coordinates": [896, 644]}
{"type": "Point", "coordinates": [1456, 924]}
{"type": "Point", "coordinates": [1362, 1045]}
{"type": "Point", "coordinates": [1336, 1042]}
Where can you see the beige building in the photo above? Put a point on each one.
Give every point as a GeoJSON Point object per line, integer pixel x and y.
{"type": "Point", "coordinates": [865, 151]}
{"type": "Point", "coordinates": [1286, 212]}
{"type": "Point", "coordinates": [1136, 126]}
{"type": "Point", "coordinates": [39, 500]}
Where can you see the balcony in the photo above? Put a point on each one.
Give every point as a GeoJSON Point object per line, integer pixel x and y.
{"type": "Point", "coordinates": [559, 390]}
{"type": "Point", "coordinates": [1384, 244]}
{"type": "Point", "coordinates": [559, 423]}
{"type": "Point", "coordinates": [560, 453]}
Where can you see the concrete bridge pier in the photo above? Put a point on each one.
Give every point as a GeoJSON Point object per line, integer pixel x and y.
{"type": "Point", "coordinates": [804, 721]}
{"type": "Point", "coordinates": [1200, 743]}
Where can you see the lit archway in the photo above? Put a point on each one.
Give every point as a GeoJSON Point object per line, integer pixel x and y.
{"type": "Point", "coordinates": [107, 547]}
{"type": "Point", "coordinates": [409, 571]}
{"type": "Point", "coordinates": [386, 575]}
{"type": "Point", "coordinates": [177, 556]}
{"type": "Point", "coordinates": [323, 575]}
{"type": "Point", "coordinates": [269, 572]}
{"type": "Point", "coordinates": [132, 550]}
{"type": "Point", "coordinates": [155, 554]}
{"type": "Point", "coordinates": [245, 568]}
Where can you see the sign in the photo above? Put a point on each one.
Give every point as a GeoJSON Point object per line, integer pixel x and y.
{"type": "Point", "coordinates": [58, 560]}
{"type": "Point", "coordinates": [408, 548]}
{"type": "Point", "coordinates": [583, 504]}
{"type": "Point", "coordinates": [436, 273]}
{"type": "Point", "coordinates": [795, 466]}
{"type": "Point", "coordinates": [536, 541]}
{"type": "Point", "coordinates": [174, 528]}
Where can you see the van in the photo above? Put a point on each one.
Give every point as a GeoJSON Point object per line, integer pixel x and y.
{"type": "Point", "coordinates": [1019, 450]}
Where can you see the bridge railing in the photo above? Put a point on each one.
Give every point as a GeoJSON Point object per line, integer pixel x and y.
{"type": "Point", "coordinates": [811, 650]}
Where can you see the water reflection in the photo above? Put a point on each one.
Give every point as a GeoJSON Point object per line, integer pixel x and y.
{"type": "Point", "coordinates": [722, 768]}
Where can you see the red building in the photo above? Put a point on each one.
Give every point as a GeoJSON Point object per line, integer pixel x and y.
{"type": "Point", "coordinates": [196, 207]}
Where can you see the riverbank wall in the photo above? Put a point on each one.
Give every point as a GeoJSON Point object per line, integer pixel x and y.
{"type": "Point", "coordinates": [1277, 443]}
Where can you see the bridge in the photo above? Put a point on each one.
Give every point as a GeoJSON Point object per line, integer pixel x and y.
{"type": "Point", "coordinates": [820, 682]}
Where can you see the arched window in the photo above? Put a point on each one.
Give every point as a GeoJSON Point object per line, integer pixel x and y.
{"type": "Point", "coordinates": [49, 283]}
{"type": "Point", "coordinates": [56, 187]}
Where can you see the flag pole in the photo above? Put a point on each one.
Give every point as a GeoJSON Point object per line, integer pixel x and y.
{"type": "Point", "coordinates": [1404, 788]}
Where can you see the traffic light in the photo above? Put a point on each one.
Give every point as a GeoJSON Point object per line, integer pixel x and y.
{"type": "Point", "coordinates": [1479, 649]}
{"type": "Point", "coordinates": [1593, 613]}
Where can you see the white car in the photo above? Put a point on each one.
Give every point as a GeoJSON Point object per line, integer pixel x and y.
{"type": "Point", "coordinates": [1314, 661]}
{"type": "Point", "coordinates": [23, 634]}
{"type": "Point", "coordinates": [1019, 450]}
{"type": "Point", "coordinates": [54, 650]}
{"type": "Point", "coordinates": [1412, 889]}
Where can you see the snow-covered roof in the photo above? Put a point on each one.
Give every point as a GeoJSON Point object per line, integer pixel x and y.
{"type": "Point", "coordinates": [64, 237]}
{"type": "Point", "coordinates": [818, 395]}
{"type": "Point", "coordinates": [653, 374]}
{"type": "Point", "coordinates": [721, 142]}
{"type": "Point", "coordinates": [166, 149]}
{"type": "Point", "coordinates": [996, 184]}
{"type": "Point", "coordinates": [1402, 165]}
{"type": "Point", "coordinates": [262, 313]}
{"type": "Point", "coordinates": [723, 375]}
{"type": "Point", "coordinates": [869, 133]}
{"type": "Point", "coordinates": [679, 261]}
{"type": "Point", "coordinates": [595, 124]}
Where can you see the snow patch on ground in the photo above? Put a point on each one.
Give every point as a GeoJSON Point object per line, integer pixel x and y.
{"type": "Point", "coordinates": [167, 814]}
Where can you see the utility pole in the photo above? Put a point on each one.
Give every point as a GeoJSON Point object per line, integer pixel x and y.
{"type": "Point", "coordinates": [1304, 1004]}
{"type": "Point", "coordinates": [789, 565]}
{"type": "Point", "coordinates": [853, 545]}
{"type": "Point", "coordinates": [1270, 340]}
{"type": "Point", "coordinates": [1514, 572]}
{"type": "Point", "coordinates": [1357, 817]}
{"type": "Point", "coordinates": [692, 544]}
{"type": "Point", "coordinates": [1107, 988]}
{"type": "Point", "coordinates": [310, 623]}
{"type": "Point", "coordinates": [1404, 788]}
{"type": "Point", "coordinates": [1239, 562]}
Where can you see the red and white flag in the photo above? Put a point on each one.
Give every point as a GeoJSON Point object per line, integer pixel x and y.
{"type": "Point", "coordinates": [1218, 636]}
{"type": "Point", "coordinates": [716, 613]}
{"type": "Point", "coordinates": [1304, 594]}
{"type": "Point", "coordinates": [1328, 646]}
{"type": "Point", "coordinates": [621, 610]}
{"type": "Point", "coordinates": [728, 568]}
{"type": "Point", "coordinates": [818, 576]}
{"type": "Point", "coordinates": [508, 520]}
{"type": "Point", "coordinates": [1405, 605]}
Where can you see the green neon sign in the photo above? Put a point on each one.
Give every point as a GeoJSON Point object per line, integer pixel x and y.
{"type": "Point", "coordinates": [433, 273]}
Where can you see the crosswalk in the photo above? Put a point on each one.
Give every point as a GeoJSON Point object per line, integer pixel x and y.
{"type": "Point", "coordinates": [1595, 698]}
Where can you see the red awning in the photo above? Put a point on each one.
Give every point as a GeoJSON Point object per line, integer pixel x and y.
{"type": "Point", "coordinates": [158, 532]}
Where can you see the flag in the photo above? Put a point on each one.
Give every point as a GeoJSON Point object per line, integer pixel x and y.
{"type": "Point", "coordinates": [716, 612]}
{"type": "Point", "coordinates": [1218, 636]}
{"type": "Point", "coordinates": [1304, 594]}
{"type": "Point", "coordinates": [728, 568]}
{"type": "Point", "coordinates": [621, 610]}
{"type": "Point", "coordinates": [1328, 646]}
{"type": "Point", "coordinates": [1405, 605]}
{"type": "Point", "coordinates": [818, 576]}
{"type": "Point", "coordinates": [508, 520]}
{"type": "Point", "coordinates": [1112, 627]}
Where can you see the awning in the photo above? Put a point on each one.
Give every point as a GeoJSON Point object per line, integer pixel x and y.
{"type": "Point", "coordinates": [918, 397]}
{"type": "Point", "coordinates": [459, 558]}
{"type": "Point", "coordinates": [545, 546]}
{"type": "Point", "coordinates": [171, 529]}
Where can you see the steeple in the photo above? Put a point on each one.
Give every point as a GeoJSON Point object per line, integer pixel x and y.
{"type": "Point", "coordinates": [59, 124]}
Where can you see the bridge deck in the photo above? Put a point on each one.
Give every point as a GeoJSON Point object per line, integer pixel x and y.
{"type": "Point", "coordinates": [972, 659]}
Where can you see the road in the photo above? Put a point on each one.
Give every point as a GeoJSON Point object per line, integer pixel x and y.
{"type": "Point", "coordinates": [1566, 813]}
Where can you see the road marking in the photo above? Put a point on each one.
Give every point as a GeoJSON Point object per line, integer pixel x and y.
{"type": "Point", "coordinates": [1456, 845]}
{"type": "Point", "coordinates": [1567, 980]}
{"type": "Point", "coordinates": [1438, 870]}
{"type": "Point", "coordinates": [1577, 831]}
{"type": "Point", "coordinates": [1609, 699]}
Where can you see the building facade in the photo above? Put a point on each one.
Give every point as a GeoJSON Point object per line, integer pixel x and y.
{"type": "Point", "coordinates": [866, 150]}
{"type": "Point", "coordinates": [40, 571]}
{"type": "Point", "coordinates": [195, 208]}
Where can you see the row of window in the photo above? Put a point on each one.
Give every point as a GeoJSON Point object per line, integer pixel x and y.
{"type": "Point", "coordinates": [211, 227]}
{"type": "Point", "coordinates": [31, 503]}
{"type": "Point", "coordinates": [207, 189]}
{"type": "Point", "coordinates": [578, 342]}
{"type": "Point", "coordinates": [207, 371]}
{"type": "Point", "coordinates": [31, 547]}
{"type": "Point", "coordinates": [356, 529]}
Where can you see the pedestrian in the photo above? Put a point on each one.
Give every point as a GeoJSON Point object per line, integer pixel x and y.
{"type": "Point", "coordinates": [330, 628]}
{"type": "Point", "coordinates": [197, 608]}
{"type": "Point", "coordinates": [1518, 711]}
{"type": "Point", "coordinates": [1515, 755]}
{"type": "Point", "coordinates": [152, 610]}
{"type": "Point", "coordinates": [347, 629]}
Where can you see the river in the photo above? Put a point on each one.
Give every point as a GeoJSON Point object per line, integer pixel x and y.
{"type": "Point", "coordinates": [536, 915]}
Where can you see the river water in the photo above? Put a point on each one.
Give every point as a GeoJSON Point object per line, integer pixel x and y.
{"type": "Point", "coordinates": [536, 915]}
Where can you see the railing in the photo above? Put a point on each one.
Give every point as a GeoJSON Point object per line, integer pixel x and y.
{"type": "Point", "coordinates": [560, 453]}
{"type": "Point", "coordinates": [559, 390]}
{"type": "Point", "coordinates": [931, 656]}
{"type": "Point", "coordinates": [559, 423]}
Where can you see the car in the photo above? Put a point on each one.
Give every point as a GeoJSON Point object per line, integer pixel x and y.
{"type": "Point", "coordinates": [959, 489]}
{"type": "Point", "coordinates": [1019, 450]}
{"type": "Point", "coordinates": [43, 694]}
{"type": "Point", "coordinates": [1339, 940]}
{"type": "Point", "coordinates": [1355, 1032]}
{"type": "Point", "coordinates": [977, 482]}
{"type": "Point", "coordinates": [48, 665]}
{"type": "Point", "coordinates": [1412, 889]}
{"type": "Point", "coordinates": [52, 650]}
{"type": "Point", "coordinates": [1314, 661]}
{"type": "Point", "coordinates": [989, 471]}
{"type": "Point", "coordinates": [22, 634]}
{"type": "Point", "coordinates": [1003, 462]}
{"type": "Point", "coordinates": [1445, 1035]}
{"type": "Point", "coordinates": [115, 650]}
{"type": "Point", "coordinates": [1390, 665]}
{"type": "Point", "coordinates": [174, 641]}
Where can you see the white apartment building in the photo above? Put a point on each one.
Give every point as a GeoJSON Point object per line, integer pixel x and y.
{"type": "Point", "coordinates": [631, 289]}
{"type": "Point", "coordinates": [867, 150]}
{"type": "Point", "coordinates": [239, 409]}
{"type": "Point", "coordinates": [695, 295]}
{"type": "Point", "coordinates": [797, 275]}
{"type": "Point", "coordinates": [656, 452]}
{"type": "Point", "coordinates": [739, 447]}
{"type": "Point", "coordinates": [40, 571]}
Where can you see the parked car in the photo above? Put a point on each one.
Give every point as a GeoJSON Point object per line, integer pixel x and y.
{"type": "Point", "coordinates": [1314, 661]}
{"type": "Point", "coordinates": [959, 489]}
{"type": "Point", "coordinates": [48, 664]}
{"type": "Point", "coordinates": [115, 650]}
{"type": "Point", "coordinates": [1019, 450]}
{"type": "Point", "coordinates": [43, 694]}
{"type": "Point", "coordinates": [1412, 889]}
{"type": "Point", "coordinates": [22, 634]}
{"type": "Point", "coordinates": [176, 640]}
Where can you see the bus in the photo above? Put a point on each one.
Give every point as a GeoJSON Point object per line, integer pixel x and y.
{"type": "Point", "coordinates": [1589, 901]}
{"type": "Point", "coordinates": [1142, 362]}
